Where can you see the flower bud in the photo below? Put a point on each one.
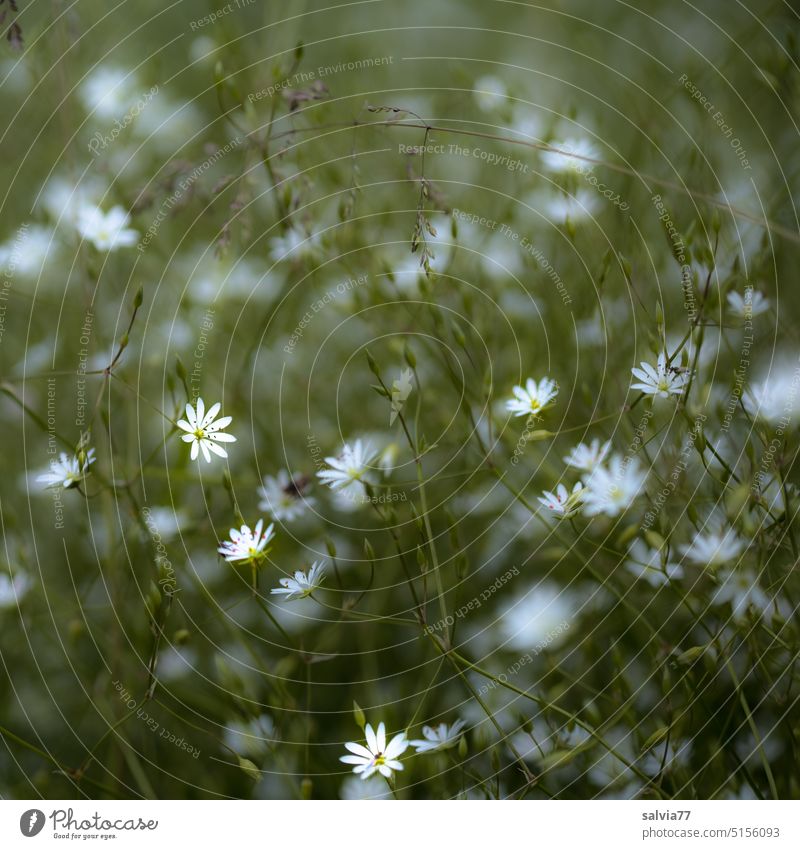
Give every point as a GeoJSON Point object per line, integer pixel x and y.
{"type": "Point", "coordinates": [358, 715]}
{"type": "Point", "coordinates": [373, 366]}
{"type": "Point", "coordinates": [250, 769]}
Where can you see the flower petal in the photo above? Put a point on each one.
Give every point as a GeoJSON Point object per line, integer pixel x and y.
{"type": "Point", "coordinates": [358, 749]}
{"type": "Point", "coordinates": [219, 424]}
{"type": "Point", "coordinates": [220, 437]}
{"type": "Point", "coordinates": [210, 415]}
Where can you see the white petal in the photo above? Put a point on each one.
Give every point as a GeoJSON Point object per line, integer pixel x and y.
{"type": "Point", "coordinates": [219, 424]}
{"type": "Point", "coordinates": [396, 747]}
{"type": "Point", "coordinates": [218, 450]}
{"type": "Point", "coordinates": [210, 415]}
{"type": "Point", "coordinates": [358, 749]}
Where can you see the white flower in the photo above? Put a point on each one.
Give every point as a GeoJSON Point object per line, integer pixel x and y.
{"type": "Point", "coordinates": [13, 589]}
{"type": "Point", "coordinates": [164, 521]}
{"type": "Point", "coordinates": [203, 432]}
{"type": "Point", "coordinates": [442, 737]}
{"type": "Point", "coordinates": [612, 489]}
{"type": "Point", "coordinates": [247, 546]}
{"type": "Point", "coordinates": [752, 304]}
{"type": "Point", "coordinates": [68, 471]}
{"type": "Point", "coordinates": [588, 457]}
{"type": "Point", "coordinates": [201, 50]}
{"type": "Point", "coordinates": [350, 468]}
{"type": "Point", "coordinates": [740, 588]}
{"type": "Point", "coordinates": [645, 562]}
{"type": "Point", "coordinates": [376, 756]}
{"type": "Point", "coordinates": [566, 155]}
{"type": "Point", "coordinates": [533, 397]}
{"type": "Point", "coordinates": [302, 584]}
{"type": "Point", "coordinates": [284, 497]}
{"type": "Point", "coordinates": [663, 380]}
{"type": "Point", "coordinates": [573, 207]}
{"type": "Point", "coordinates": [28, 252]}
{"type": "Point", "coordinates": [541, 617]}
{"type": "Point", "coordinates": [715, 547]}
{"type": "Point", "coordinates": [107, 231]}
{"type": "Point", "coordinates": [108, 92]}
{"type": "Point", "coordinates": [292, 246]}
{"type": "Point", "coordinates": [563, 503]}
{"type": "Point", "coordinates": [63, 198]}
{"type": "Point", "coordinates": [401, 389]}
{"type": "Point", "coordinates": [490, 93]}
{"type": "Point", "coordinates": [775, 397]}
{"type": "Point", "coordinates": [526, 123]}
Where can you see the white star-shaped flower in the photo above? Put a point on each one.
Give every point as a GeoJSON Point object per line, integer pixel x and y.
{"type": "Point", "coordinates": [719, 545]}
{"type": "Point", "coordinates": [740, 588]}
{"type": "Point", "coordinates": [442, 737]}
{"type": "Point", "coordinates": [588, 457]}
{"type": "Point", "coordinates": [107, 231]}
{"type": "Point", "coordinates": [203, 432]}
{"type": "Point", "coordinates": [753, 303]}
{"type": "Point", "coordinates": [68, 471]}
{"type": "Point", "coordinates": [350, 468]}
{"type": "Point", "coordinates": [647, 563]}
{"type": "Point", "coordinates": [376, 756]}
{"type": "Point", "coordinates": [533, 397]}
{"type": "Point", "coordinates": [247, 546]}
{"type": "Point", "coordinates": [661, 381]}
{"type": "Point", "coordinates": [284, 496]}
{"type": "Point", "coordinates": [490, 93]}
{"type": "Point", "coordinates": [563, 503]}
{"type": "Point", "coordinates": [611, 489]}
{"type": "Point", "coordinates": [401, 389]}
{"type": "Point", "coordinates": [302, 584]}
{"type": "Point", "coordinates": [775, 398]}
